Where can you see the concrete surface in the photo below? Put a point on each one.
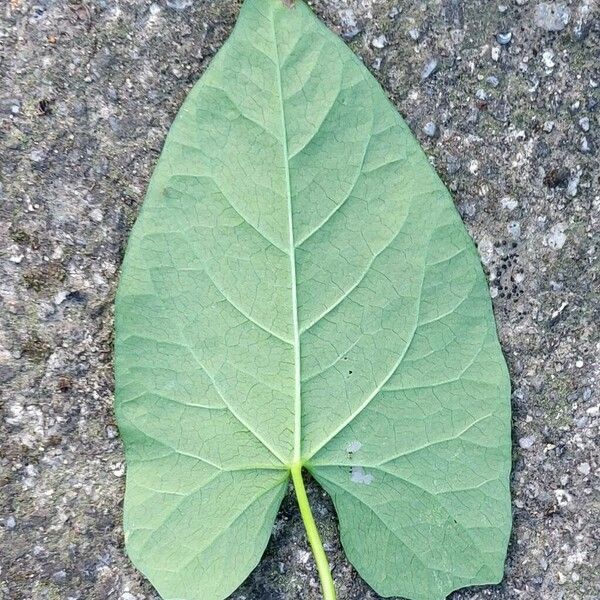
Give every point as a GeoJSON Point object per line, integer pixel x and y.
{"type": "Point", "coordinates": [505, 98]}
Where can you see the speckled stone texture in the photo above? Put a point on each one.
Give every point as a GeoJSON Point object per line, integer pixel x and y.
{"type": "Point", "coordinates": [504, 97]}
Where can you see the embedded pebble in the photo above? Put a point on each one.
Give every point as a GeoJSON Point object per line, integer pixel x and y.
{"type": "Point", "coordinates": [504, 38]}
{"type": "Point", "coordinates": [37, 155]}
{"type": "Point", "coordinates": [96, 215]}
{"type": "Point", "coordinates": [556, 238]}
{"type": "Point", "coordinates": [60, 297]}
{"type": "Point", "coordinates": [350, 27]}
{"type": "Point", "coordinates": [430, 129]}
{"type": "Point", "coordinates": [527, 442]}
{"type": "Point", "coordinates": [584, 16]}
{"type": "Point", "coordinates": [59, 576]}
{"type": "Point", "coordinates": [562, 497]}
{"type": "Point", "coordinates": [585, 145]}
{"type": "Point", "coordinates": [514, 229]}
{"type": "Point", "coordinates": [379, 42]}
{"type": "Point", "coordinates": [430, 67]}
{"type": "Point", "coordinates": [548, 58]}
{"type": "Point", "coordinates": [111, 432]}
{"type": "Point", "coordinates": [10, 522]}
{"type": "Point", "coordinates": [573, 185]}
{"type": "Point", "coordinates": [16, 258]}
{"type": "Point", "coordinates": [509, 203]}
{"type": "Point", "coordinates": [584, 468]}
{"type": "Point", "coordinates": [551, 16]}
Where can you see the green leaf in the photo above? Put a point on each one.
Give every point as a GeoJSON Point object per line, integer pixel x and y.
{"type": "Point", "coordinates": [299, 291]}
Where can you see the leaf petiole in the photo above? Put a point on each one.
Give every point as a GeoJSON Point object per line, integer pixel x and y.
{"type": "Point", "coordinates": [312, 533]}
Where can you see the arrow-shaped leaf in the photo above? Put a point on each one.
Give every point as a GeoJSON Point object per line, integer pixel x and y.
{"type": "Point", "coordinates": [299, 292]}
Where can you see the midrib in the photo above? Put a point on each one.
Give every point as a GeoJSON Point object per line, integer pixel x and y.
{"type": "Point", "coordinates": [297, 456]}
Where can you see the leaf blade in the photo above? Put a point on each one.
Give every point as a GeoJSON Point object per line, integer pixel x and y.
{"type": "Point", "coordinates": [299, 287]}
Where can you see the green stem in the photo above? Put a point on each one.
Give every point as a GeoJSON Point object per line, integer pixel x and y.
{"type": "Point", "coordinates": [312, 533]}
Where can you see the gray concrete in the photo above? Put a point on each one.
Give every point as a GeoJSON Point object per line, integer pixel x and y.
{"type": "Point", "coordinates": [503, 95]}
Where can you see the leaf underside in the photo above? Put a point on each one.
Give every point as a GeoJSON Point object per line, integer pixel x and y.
{"type": "Point", "coordinates": [300, 287]}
